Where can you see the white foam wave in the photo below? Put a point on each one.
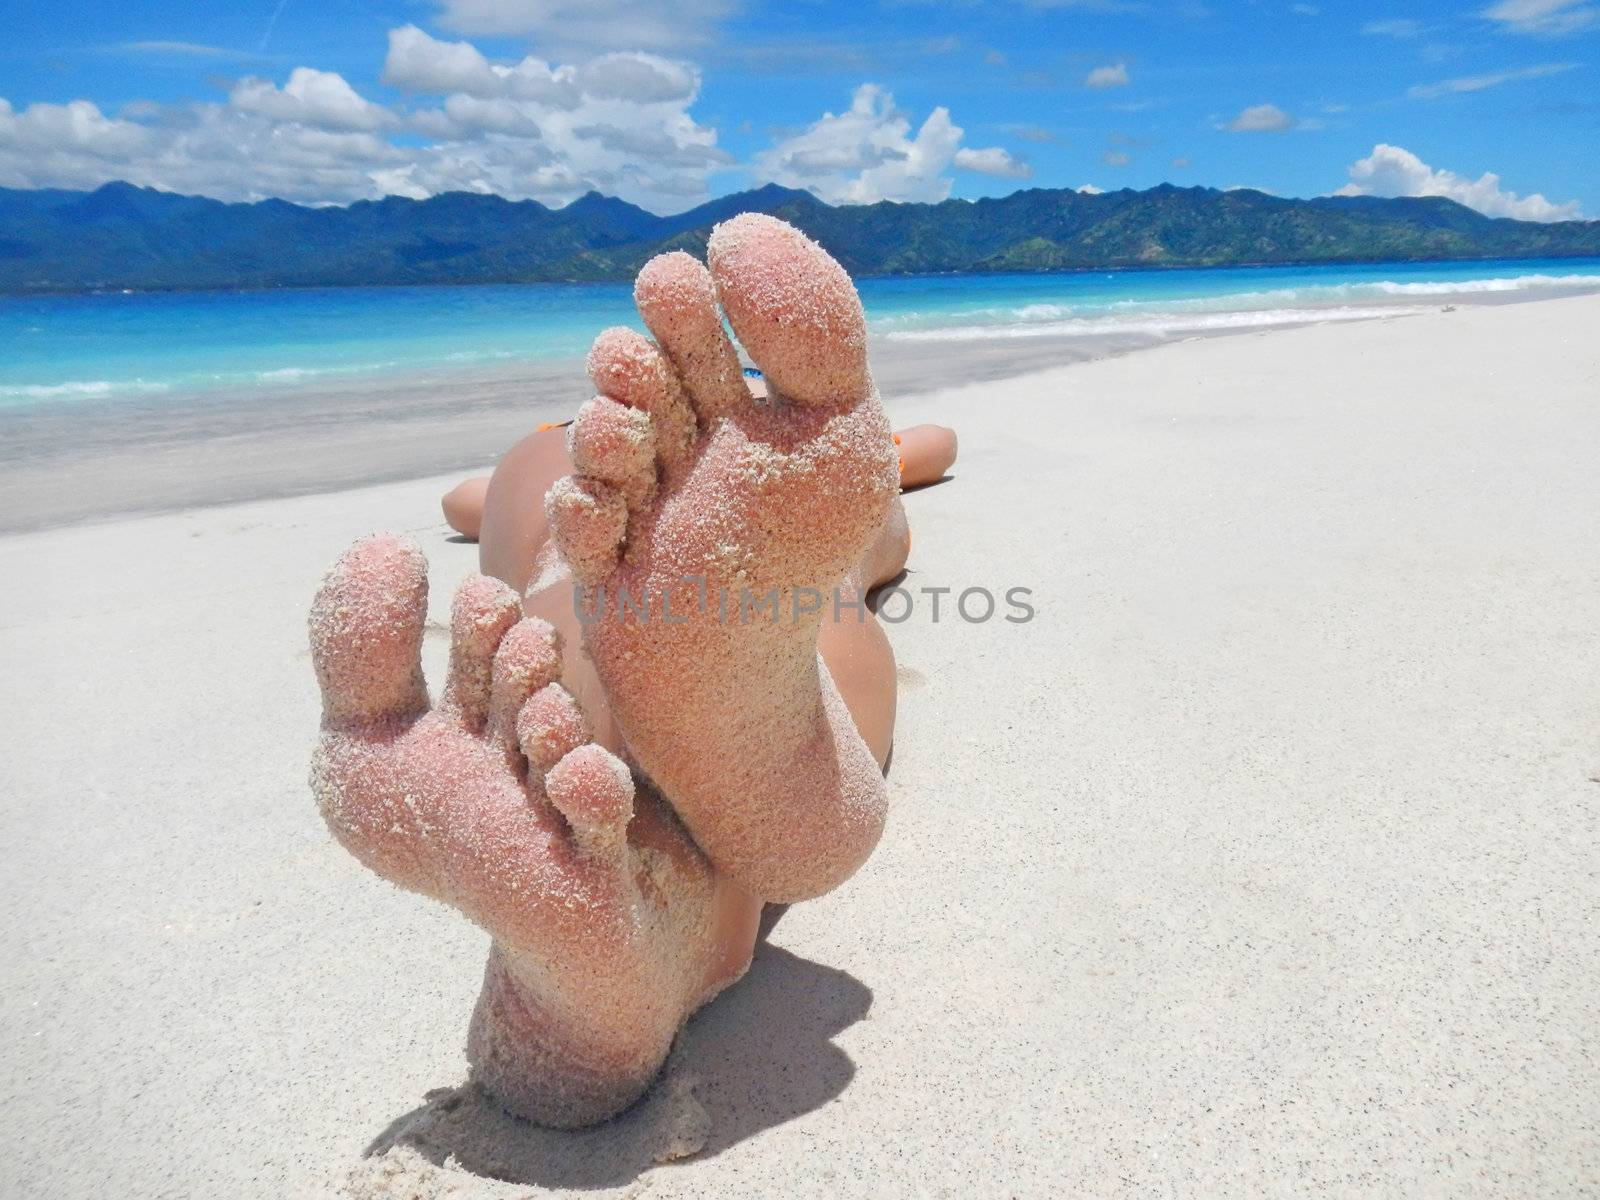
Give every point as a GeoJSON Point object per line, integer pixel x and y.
{"type": "Point", "coordinates": [1276, 298]}
{"type": "Point", "coordinates": [1157, 324]}
{"type": "Point", "coordinates": [77, 389]}
{"type": "Point", "coordinates": [1334, 292]}
{"type": "Point", "coordinates": [294, 374]}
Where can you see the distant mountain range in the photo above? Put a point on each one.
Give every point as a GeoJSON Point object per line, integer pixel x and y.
{"type": "Point", "coordinates": [121, 236]}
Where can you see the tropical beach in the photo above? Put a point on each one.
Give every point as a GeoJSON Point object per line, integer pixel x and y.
{"type": "Point", "coordinates": [840, 600]}
{"type": "Point", "coordinates": [1259, 861]}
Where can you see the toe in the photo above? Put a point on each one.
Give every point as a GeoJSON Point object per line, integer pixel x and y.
{"type": "Point", "coordinates": [551, 726]}
{"type": "Point", "coordinates": [794, 309]}
{"type": "Point", "coordinates": [480, 614]}
{"type": "Point", "coordinates": [366, 632]}
{"type": "Point", "coordinates": [615, 444]}
{"type": "Point", "coordinates": [588, 521]}
{"type": "Point", "coordinates": [528, 660]}
{"type": "Point", "coordinates": [678, 303]}
{"type": "Point", "coordinates": [594, 792]}
{"type": "Point", "coordinates": [630, 370]}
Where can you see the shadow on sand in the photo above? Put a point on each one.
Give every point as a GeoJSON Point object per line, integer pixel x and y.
{"type": "Point", "coordinates": [758, 1056]}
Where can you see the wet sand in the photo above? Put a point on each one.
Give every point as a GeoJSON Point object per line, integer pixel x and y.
{"type": "Point", "coordinates": [1261, 862]}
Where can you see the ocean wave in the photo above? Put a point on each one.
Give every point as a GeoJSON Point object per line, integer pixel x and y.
{"type": "Point", "coordinates": [295, 374]}
{"type": "Point", "coordinates": [1157, 324]}
{"type": "Point", "coordinates": [83, 389]}
{"type": "Point", "coordinates": [1333, 292]}
{"type": "Point", "coordinates": [999, 315]}
{"type": "Point", "coordinates": [1307, 294]}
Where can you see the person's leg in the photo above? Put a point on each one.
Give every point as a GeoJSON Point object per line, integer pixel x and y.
{"type": "Point", "coordinates": [514, 529]}
{"type": "Point", "coordinates": [926, 453]}
{"type": "Point", "coordinates": [463, 506]}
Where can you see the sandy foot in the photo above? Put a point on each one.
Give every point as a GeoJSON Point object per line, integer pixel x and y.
{"type": "Point", "coordinates": [608, 925]}
{"type": "Point", "coordinates": [713, 532]}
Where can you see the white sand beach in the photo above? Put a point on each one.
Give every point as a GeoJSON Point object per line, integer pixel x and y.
{"type": "Point", "coordinates": [1265, 860]}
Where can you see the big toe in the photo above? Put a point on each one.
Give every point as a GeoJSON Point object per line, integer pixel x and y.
{"type": "Point", "coordinates": [794, 309]}
{"type": "Point", "coordinates": [366, 632]}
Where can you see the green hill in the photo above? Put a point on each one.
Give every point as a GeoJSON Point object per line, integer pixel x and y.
{"type": "Point", "coordinates": [121, 236]}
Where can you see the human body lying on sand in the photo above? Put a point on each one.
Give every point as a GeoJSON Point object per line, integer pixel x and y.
{"type": "Point", "coordinates": [667, 702]}
{"type": "Point", "coordinates": [927, 452]}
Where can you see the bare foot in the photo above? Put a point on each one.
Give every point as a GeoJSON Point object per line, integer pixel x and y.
{"type": "Point", "coordinates": [692, 494]}
{"type": "Point", "coordinates": [609, 926]}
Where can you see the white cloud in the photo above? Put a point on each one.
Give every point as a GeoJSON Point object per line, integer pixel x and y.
{"type": "Point", "coordinates": [1115, 158]}
{"type": "Point", "coordinates": [175, 49]}
{"type": "Point", "coordinates": [211, 149]}
{"type": "Point", "coordinates": [640, 78]}
{"type": "Point", "coordinates": [425, 65]}
{"type": "Point", "coordinates": [466, 115]}
{"type": "Point", "coordinates": [1089, 189]}
{"type": "Point", "coordinates": [1546, 18]}
{"type": "Point", "coordinates": [76, 129]}
{"type": "Point", "coordinates": [1478, 83]}
{"type": "Point", "coordinates": [419, 63]}
{"type": "Point", "coordinates": [1261, 118]}
{"type": "Point", "coordinates": [1033, 133]}
{"type": "Point", "coordinates": [606, 24]}
{"type": "Point", "coordinates": [1115, 75]}
{"type": "Point", "coordinates": [868, 153]}
{"type": "Point", "coordinates": [992, 160]}
{"type": "Point", "coordinates": [620, 123]}
{"type": "Point", "coordinates": [1395, 27]}
{"type": "Point", "coordinates": [1393, 171]}
{"type": "Point", "coordinates": [311, 97]}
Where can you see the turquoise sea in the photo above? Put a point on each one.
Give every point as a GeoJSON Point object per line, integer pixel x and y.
{"type": "Point", "coordinates": [58, 349]}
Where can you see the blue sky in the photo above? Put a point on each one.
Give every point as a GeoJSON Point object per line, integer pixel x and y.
{"type": "Point", "coordinates": [1495, 103]}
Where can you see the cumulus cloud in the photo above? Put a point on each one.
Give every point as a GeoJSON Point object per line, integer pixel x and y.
{"type": "Point", "coordinates": [419, 63]}
{"type": "Point", "coordinates": [311, 97]}
{"type": "Point", "coordinates": [1545, 18]}
{"type": "Point", "coordinates": [1478, 83]}
{"type": "Point", "coordinates": [1261, 118]}
{"type": "Point", "coordinates": [1393, 171]}
{"type": "Point", "coordinates": [640, 78]}
{"type": "Point", "coordinates": [619, 123]}
{"type": "Point", "coordinates": [212, 149]}
{"type": "Point", "coordinates": [868, 153]}
{"type": "Point", "coordinates": [1115, 75]}
{"type": "Point", "coordinates": [606, 24]}
{"type": "Point", "coordinates": [992, 160]}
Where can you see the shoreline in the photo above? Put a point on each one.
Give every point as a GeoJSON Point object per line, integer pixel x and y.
{"type": "Point", "coordinates": [158, 455]}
